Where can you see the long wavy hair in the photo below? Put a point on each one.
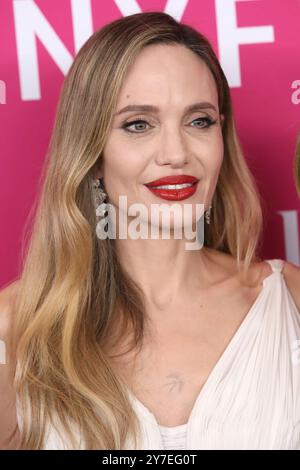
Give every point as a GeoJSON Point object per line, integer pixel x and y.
{"type": "Point", "coordinates": [75, 301]}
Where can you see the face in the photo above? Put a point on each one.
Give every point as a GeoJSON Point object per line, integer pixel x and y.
{"type": "Point", "coordinates": [173, 139]}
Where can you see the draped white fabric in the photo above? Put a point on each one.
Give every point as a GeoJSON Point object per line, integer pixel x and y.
{"type": "Point", "coordinates": [173, 437]}
{"type": "Point", "coordinates": [251, 399]}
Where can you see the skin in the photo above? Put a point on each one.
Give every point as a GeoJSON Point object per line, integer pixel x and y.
{"type": "Point", "coordinates": [170, 142]}
{"type": "Point", "coordinates": [9, 433]}
{"type": "Point", "coordinates": [184, 289]}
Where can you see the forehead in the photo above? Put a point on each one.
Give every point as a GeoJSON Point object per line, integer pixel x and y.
{"type": "Point", "coordinates": [168, 75]}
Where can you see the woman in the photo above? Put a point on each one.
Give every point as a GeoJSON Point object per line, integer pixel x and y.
{"type": "Point", "coordinates": [123, 343]}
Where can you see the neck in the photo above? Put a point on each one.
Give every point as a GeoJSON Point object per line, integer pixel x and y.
{"type": "Point", "coordinates": [164, 269]}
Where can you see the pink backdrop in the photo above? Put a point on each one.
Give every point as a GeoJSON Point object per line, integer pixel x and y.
{"type": "Point", "coordinates": [257, 42]}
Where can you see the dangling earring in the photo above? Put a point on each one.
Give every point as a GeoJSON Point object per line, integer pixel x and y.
{"type": "Point", "coordinates": [99, 196]}
{"type": "Point", "coordinates": [207, 215]}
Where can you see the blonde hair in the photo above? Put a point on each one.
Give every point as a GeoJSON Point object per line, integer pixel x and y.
{"type": "Point", "coordinates": [75, 298]}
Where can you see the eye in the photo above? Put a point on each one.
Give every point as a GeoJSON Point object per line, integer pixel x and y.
{"type": "Point", "coordinates": [205, 122]}
{"type": "Point", "coordinates": [126, 125]}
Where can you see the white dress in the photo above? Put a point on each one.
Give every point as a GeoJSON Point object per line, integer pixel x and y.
{"type": "Point", "coordinates": [251, 399]}
{"type": "Point", "coordinates": [173, 437]}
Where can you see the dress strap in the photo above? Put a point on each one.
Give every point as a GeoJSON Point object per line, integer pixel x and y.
{"type": "Point", "coordinates": [276, 265]}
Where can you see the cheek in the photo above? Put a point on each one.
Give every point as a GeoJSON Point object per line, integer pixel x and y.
{"type": "Point", "coordinates": [120, 165]}
{"type": "Point", "coordinates": [214, 154]}
{"type": "Point", "coordinates": [219, 155]}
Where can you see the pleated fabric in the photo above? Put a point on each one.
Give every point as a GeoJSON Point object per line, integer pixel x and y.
{"type": "Point", "coordinates": [251, 399]}
{"type": "Point", "coordinates": [173, 437]}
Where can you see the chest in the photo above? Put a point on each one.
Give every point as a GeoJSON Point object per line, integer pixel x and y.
{"type": "Point", "coordinates": [169, 372]}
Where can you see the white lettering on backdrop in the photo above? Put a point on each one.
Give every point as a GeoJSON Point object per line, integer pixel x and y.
{"type": "Point", "coordinates": [31, 23]}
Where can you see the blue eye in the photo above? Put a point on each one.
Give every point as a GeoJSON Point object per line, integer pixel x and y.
{"type": "Point", "coordinates": [133, 123]}
{"type": "Point", "coordinates": [208, 122]}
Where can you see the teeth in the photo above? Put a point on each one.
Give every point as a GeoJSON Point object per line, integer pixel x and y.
{"type": "Point", "coordinates": [173, 186]}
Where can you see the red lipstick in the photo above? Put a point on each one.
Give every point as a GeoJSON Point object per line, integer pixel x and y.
{"type": "Point", "coordinates": [175, 193]}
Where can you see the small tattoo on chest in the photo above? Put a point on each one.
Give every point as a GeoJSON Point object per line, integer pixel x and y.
{"type": "Point", "coordinates": [175, 383]}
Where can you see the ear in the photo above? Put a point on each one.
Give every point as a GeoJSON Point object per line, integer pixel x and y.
{"type": "Point", "coordinates": [98, 168]}
{"type": "Point", "coordinates": [222, 118]}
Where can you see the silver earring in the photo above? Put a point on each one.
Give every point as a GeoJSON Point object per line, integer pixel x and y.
{"type": "Point", "coordinates": [99, 196]}
{"type": "Point", "coordinates": [207, 215]}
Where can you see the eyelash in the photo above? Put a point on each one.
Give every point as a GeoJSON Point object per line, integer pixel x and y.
{"type": "Point", "coordinates": [209, 122]}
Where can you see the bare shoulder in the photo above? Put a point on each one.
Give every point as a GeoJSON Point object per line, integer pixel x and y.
{"type": "Point", "coordinates": [8, 424]}
{"type": "Point", "coordinates": [291, 273]}
{"type": "Point", "coordinates": [7, 297]}
{"type": "Point", "coordinates": [258, 270]}
{"type": "Point", "coordinates": [261, 269]}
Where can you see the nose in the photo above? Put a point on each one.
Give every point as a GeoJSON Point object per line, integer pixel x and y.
{"type": "Point", "coordinates": [173, 149]}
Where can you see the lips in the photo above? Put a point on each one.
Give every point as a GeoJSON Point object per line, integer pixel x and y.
{"type": "Point", "coordinates": [176, 193]}
{"type": "Point", "coordinates": [174, 179]}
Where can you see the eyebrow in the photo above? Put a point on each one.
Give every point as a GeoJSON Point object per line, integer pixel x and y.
{"type": "Point", "coordinates": [154, 109]}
